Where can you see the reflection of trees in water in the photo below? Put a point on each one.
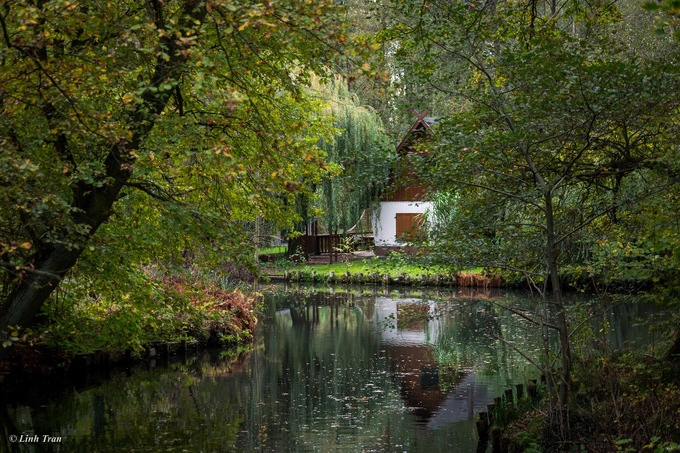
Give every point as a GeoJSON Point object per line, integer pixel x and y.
{"type": "Point", "coordinates": [324, 375]}
{"type": "Point", "coordinates": [336, 381]}
{"type": "Point", "coordinates": [466, 332]}
{"type": "Point", "coordinates": [469, 335]}
{"type": "Point", "coordinates": [8, 427]}
{"type": "Point", "coordinates": [319, 375]}
{"type": "Point", "coordinates": [629, 324]}
{"type": "Point", "coordinates": [138, 412]}
{"type": "Point", "coordinates": [479, 334]}
{"type": "Point", "coordinates": [612, 324]}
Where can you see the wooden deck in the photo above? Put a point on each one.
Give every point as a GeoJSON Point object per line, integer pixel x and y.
{"type": "Point", "coordinates": [323, 249]}
{"type": "Point", "coordinates": [311, 246]}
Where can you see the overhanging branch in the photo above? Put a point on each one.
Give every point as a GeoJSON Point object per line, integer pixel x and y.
{"type": "Point", "coordinates": [17, 269]}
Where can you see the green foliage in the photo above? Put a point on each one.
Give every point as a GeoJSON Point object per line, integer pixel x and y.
{"type": "Point", "coordinates": [669, 21]}
{"type": "Point", "coordinates": [657, 446]}
{"type": "Point", "coordinates": [145, 308]}
{"type": "Point", "coordinates": [395, 265]}
{"type": "Point", "coordinates": [360, 150]}
{"type": "Point", "coordinates": [200, 107]}
{"type": "Point", "coordinates": [556, 133]}
{"type": "Point", "coordinates": [556, 99]}
{"type": "Point", "coordinates": [88, 316]}
{"type": "Point", "coordinates": [630, 400]}
{"type": "Point", "coordinates": [498, 196]}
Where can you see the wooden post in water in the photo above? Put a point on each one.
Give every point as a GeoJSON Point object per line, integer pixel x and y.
{"type": "Point", "coordinates": [496, 439]}
{"type": "Point", "coordinates": [508, 395]}
{"type": "Point", "coordinates": [504, 444]}
{"type": "Point", "coordinates": [532, 389]}
{"type": "Point", "coordinates": [491, 409]}
{"type": "Point", "coordinates": [482, 431]}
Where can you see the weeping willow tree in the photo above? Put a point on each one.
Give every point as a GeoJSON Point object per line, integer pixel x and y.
{"type": "Point", "coordinates": [361, 150]}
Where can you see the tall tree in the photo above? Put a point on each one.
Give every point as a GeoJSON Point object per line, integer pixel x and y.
{"type": "Point", "coordinates": [101, 98]}
{"type": "Point", "coordinates": [553, 119]}
{"type": "Point", "coordinates": [362, 151]}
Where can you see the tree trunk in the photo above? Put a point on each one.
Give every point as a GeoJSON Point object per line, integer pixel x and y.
{"type": "Point", "coordinates": [27, 298]}
{"type": "Point", "coordinates": [50, 263]}
{"type": "Point", "coordinates": [561, 317]}
{"type": "Point", "coordinates": [93, 203]}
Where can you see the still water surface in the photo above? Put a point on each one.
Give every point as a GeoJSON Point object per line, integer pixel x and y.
{"type": "Point", "coordinates": [359, 371]}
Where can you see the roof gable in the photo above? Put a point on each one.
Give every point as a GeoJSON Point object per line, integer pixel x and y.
{"type": "Point", "coordinates": [404, 185]}
{"type": "Point", "coordinates": [423, 123]}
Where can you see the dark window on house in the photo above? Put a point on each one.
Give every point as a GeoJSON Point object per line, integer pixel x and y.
{"type": "Point", "coordinates": [429, 377]}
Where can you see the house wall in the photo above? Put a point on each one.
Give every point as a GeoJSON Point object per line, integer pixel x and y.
{"type": "Point", "coordinates": [384, 220]}
{"type": "Point", "coordinates": [414, 191]}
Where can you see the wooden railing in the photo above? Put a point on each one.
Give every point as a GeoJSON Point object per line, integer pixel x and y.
{"type": "Point", "coordinates": [314, 245]}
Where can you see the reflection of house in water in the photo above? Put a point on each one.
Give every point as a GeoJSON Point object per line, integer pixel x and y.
{"type": "Point", "coordinates": [468, 398]}
{"type": "Point", "coordinates": [436, 395]}
{"type": "Point", "coordinates": [418, 372]}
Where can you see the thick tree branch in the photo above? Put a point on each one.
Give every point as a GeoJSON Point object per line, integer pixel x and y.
{"type": "Point", "coordinates": [153, 190]}
{"type": "Point", "coordinates": [17, 269]}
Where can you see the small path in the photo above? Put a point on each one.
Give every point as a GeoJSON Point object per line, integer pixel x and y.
{"type": "Point", "coordinates": [363, 254]}
{"type": "Point", "coordinates": [342, 257]}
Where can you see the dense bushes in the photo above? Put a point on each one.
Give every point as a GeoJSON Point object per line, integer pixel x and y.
{"type": "Point", "coordinates": [629, 402]}
{"type": "Point", "coordinates": [148, 308]}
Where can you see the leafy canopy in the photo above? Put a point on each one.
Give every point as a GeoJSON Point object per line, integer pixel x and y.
{"type": "Point", "coordinates": [199, 106]}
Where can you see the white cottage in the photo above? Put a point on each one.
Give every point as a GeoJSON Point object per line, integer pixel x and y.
{"type": "Point", "coordinates": [400, 214]}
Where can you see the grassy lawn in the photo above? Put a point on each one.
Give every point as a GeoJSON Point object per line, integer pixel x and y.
{"type": "Point", "coordinates": [395, 266]}
{"type": "Point", "coordinates": [272, 250]}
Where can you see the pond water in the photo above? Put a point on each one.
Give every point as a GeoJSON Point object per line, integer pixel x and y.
{"type": "Point", "coordinates": [366, 371]}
